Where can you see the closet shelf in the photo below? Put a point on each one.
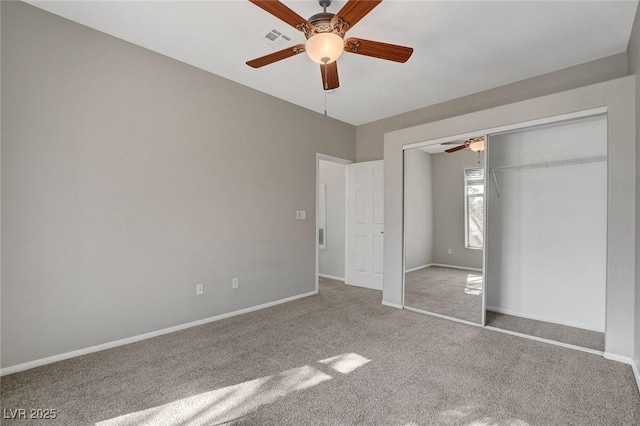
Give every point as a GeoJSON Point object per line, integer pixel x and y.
{"type": "Point", "coordinates": [545, 164]}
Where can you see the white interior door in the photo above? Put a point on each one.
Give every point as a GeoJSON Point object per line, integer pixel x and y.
{"type": "Point", "coordinates": [366, 224]}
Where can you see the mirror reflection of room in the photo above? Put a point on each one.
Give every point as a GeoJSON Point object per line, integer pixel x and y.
{"type": "Point", "coordinates": [444, 202]}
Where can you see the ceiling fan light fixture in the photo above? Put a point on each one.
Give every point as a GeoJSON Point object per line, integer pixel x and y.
{"type": "Point", "coordinates": [477, 145]}
{"type": "Point", "coordinates": [324, 48]}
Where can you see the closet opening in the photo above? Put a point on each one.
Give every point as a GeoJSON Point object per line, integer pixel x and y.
{"type": "Point", "coordinates": [512, 236]}
{"type": "Point", "coordinates": [547, 232]}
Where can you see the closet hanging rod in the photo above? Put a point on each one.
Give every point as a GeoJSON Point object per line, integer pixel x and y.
{"type": "Point", "coordinates": [556, 163]}
{"type": "Point", "coordinates": [545, 164]}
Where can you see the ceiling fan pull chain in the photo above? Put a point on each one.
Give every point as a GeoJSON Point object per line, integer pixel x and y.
{"type": "Point", "coordinates": [325, 103]}
{"type": "Point", "coordinates": [326, 87]}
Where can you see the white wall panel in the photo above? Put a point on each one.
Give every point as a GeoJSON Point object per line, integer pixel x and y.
{"type": "Point", "coordinates": [547, 229]}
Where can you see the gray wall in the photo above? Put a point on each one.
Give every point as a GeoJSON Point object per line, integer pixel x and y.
{"type": "Point", "coordinates": [0, 182]}
{"type": "Point", "coordinates": [370, 136]}
{"type": "Point", "coordinates": [419, 214]}
{"type": "Point", "coordinates": [448, 212]}
{"type": "Point", "coordinates": [633, 51]}
{"type": "Point", "coordinates": [619, 97]}
{"type": "Point", "coordinates": [128, 177]}
{"type": "Point", "coordinates": [332, 259]}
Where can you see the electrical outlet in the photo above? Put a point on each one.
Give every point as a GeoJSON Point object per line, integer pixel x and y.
{"type": "Point", "coordinates": [301, 214]}
{"type": "Point", "coordinates": [199, 289]}
{"type": "Point", "coordinates": [234, 283]}
{"type": "Point", "coordinates": [449, 251]}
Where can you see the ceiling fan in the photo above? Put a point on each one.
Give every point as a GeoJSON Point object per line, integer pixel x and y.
{"type": "Point", "coordinates": [474, 144]}
{"type": "Point", "coordinates": [325, 37]}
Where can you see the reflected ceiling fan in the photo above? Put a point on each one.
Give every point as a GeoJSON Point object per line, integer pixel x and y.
{"type": "Point", "coordinates": [474, 144]}
{"type": "Point", "coordinates": [325, 37]}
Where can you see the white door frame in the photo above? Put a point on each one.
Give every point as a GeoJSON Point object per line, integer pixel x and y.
{"type": "Point", "coordinates": [345, 162]}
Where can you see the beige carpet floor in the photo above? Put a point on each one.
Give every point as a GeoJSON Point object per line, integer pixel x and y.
{"type": "Point", "coordinates": [338, 358]}
{"type": "Point", "coordinates": [452, 292]}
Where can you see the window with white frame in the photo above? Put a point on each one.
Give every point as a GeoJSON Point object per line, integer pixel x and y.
{"type": "Point", "coordinates": [474, 207]}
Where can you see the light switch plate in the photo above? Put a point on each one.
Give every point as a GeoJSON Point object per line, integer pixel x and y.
{"type": "Point", "coordinates": [301, 214]}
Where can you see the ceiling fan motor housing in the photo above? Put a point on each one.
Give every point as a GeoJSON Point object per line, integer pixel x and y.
{"type": "Point", "coordinates": [321, 23]}
{"type": "Point", "coordinates": [325, 37]}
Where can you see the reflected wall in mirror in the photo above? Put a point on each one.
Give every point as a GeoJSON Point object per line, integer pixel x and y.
{"type": "Point", "coordinates": [444, 200]}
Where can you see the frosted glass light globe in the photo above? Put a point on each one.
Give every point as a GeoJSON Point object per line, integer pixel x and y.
{"type": "Point", "coordinates": [324, 47]}
{"type": "Point", "coordinates": [477, 146]}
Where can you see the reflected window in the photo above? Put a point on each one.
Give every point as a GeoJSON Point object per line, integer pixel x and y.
{"type": "Point", "coordinates": [474, 207]}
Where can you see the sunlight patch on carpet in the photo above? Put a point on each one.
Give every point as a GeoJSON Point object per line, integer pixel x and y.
{"type": "Point", "coordinates": [345, 363]}
{"type": "Point", "coordinates": [474, 284]}
{"type": "Point", "coordinates": [224, 404]}
{"type": "Point", "coordinates": [232, 402]}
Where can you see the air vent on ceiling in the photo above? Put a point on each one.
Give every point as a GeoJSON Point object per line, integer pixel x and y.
{"type": "Point", "coordinates": [276, 38]}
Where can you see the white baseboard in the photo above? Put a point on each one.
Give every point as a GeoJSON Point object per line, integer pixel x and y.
{"type": "Point", "coordinates": [619, 358]}
{"type": "Point", "coordinates": [536, 318]}
{"type": "Point", "coordinates": [331, 277]}
{"type": "Point", "coordinates": [442, 265]}
{"type": "Point", "coordinates": [626, 360]}
{"type": "Point", "coordinates": [543, 340]}
{"type": "Point", "coordinates": [55, 358]}
{"type": "Point", "coordinates": [636, 373]}
{"type": "Point", "coordinates": [393, 305]}
{"type": "Point", "coordinates": [419, 267]}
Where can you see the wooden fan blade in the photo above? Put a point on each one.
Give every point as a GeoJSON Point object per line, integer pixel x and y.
{"type": "Point", "coordinates": [376, 49]}
{"type": "Point", "coordinates": [282, 12]}
{"type": "Point", "coordinates": [456, 148]}
{"type": "Point", "coordinates": [276, 56]}
{"type": "Point", "coordinates": [453, 143]}
{"type": "Point", "coordinates": [330, 76]}
{"type": "Point", "coordinates": [354, 11]}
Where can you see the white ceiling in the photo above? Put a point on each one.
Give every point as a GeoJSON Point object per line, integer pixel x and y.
{"type": "Point", "coordinates": [460, 47]}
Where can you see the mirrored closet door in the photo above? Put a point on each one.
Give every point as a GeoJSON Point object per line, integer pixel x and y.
{"type": "Point", "coordinates": [444, 227]}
